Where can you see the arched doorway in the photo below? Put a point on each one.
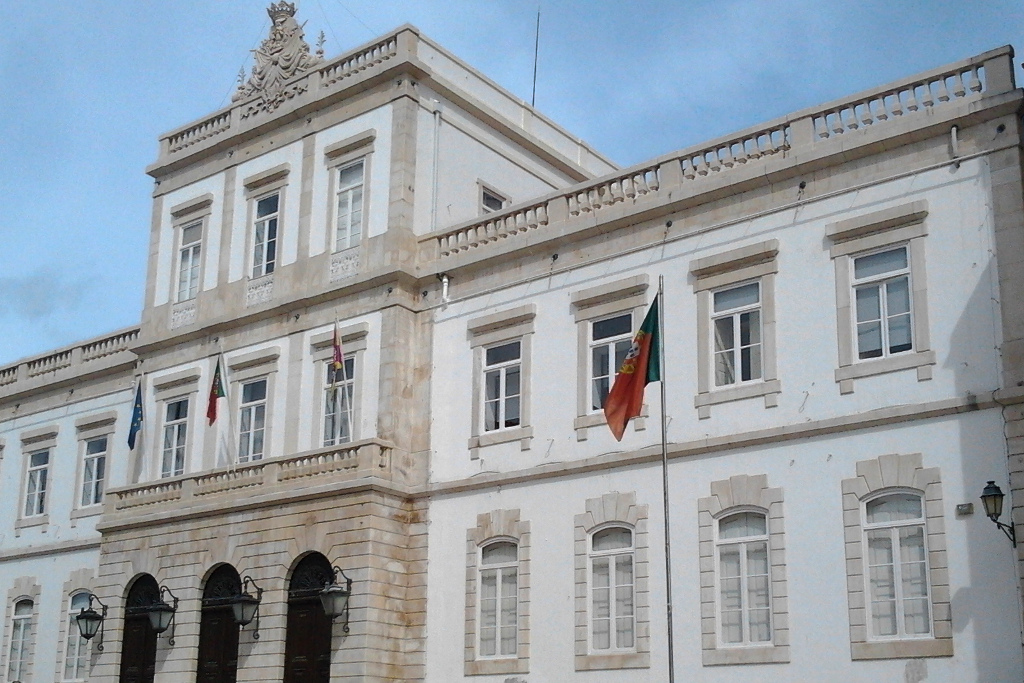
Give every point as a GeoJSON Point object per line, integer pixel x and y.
{"type": "Point", "coordinates": [138, 645]}
{"type": "Point", "coordinates": [218, 632]}
{"type": "Point", "coordinates": [307, 657]}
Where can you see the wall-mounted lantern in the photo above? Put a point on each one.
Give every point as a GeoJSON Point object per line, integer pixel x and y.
{"type": "Point", "coordinates": [992, 499]}
{"type": "Point", "coordinates": [161, 614]}
{"type": "Point", "coordinates": [335, 597]}
{"type": "Point", "coordinates": [245, 607]}
{"type": "Point", "coordinates": [90, 621]}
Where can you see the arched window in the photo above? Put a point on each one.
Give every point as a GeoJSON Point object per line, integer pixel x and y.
{"type": "Point", "coordinates": [612, 587]}
{"type": "Point", "coordinates": [897, 566]}
{"type": "Point", "coordinates": [218, 632]}
{"type": "Point", "coordinates": [138, 645]}
{"type": "Point", "coordinates": [76, 651]}
{"type": "Point", "coordinates": [307, 653]}
{"type": "Point", "coordinates": [744, 612]}
{"type": "Point", "coordinates": [21, 640]}
{"type": "Point", "coordinates": [499, 599]}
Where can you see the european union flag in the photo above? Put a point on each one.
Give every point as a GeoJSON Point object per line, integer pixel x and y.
{"type": "Point", "coordinates": [136, 417]}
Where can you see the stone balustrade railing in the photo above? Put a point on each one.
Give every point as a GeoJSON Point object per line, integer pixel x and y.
{"type": "Point", "coordinates": [197, 132]}
{"type": "Point", "coordinates": [984, 75]}
{"type": "Point", "coordinates": [354, 62]}
{"type": "Point", "coordinates": [346, 462]}
{"type": "Point", "coordinates": [73, 360]}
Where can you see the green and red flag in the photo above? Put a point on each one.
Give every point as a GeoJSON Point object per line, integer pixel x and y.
{"type": "Point", "coordinates": [216, 392]}
{"type": "Point", "coordinates": [641, 366]}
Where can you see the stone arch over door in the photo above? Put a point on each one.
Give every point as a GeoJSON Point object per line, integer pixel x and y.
{"type": "Point", "coordinates": [308, 641]}
{"type": "Point", "coordinates": [218, 632]}
{"type": "Point", "coordinates": [138, 641]}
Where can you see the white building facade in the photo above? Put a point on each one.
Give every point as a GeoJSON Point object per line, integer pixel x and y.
{"type": "Point", "coordinates": [843, 336]}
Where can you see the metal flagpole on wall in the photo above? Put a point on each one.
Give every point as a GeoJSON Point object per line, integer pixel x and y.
{"type": "Point", "coordinates": [664, 478]}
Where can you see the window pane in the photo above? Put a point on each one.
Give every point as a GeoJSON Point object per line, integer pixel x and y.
{"type": "Point", "coordinates": [869, 306]}
{"type": "Point", "coordinates": [512, 381]}
{"type": "Point", "coordinates": [266, 206]}
{"type": "Point", "coordinates": [900, 334]}
{"type": "Point", "coordinates": [897, 296]}
{"type": "Point", "coordinates": [500, 553]}
{"type": "Point", "coordinates": [503, 353]}
{"type": "Point", "coordinates": [613, 327]}
{"type": "Point", "coordinates": [351, 175]}
{"type": "Point", "coordinates": [750, 363]}
{"type": "Point", "coordinates": [254, 391]}
{"type": "Point", "coordinates": [613, 538]}
{"type": "Point", "coordinates": [750, 328]}
{"type": "Point", "coordinates": [725, 369]}
{"type": "Point", "coordinates": [96, 446]}
{"type": "Point", "coordinates": [724, 334]}
{"type": "Point", "coordinates": [742, 524]}
{"type": "Point", "coordinates": [876, 264]}
{"type": "Point", "coordinates": [894, 508]}
{"type": "Point", "coordinates": [192, 233]}
{"type": "Point", "coordinates": [869, 340]}
{"type": "Point", "coordinates": [746, 295]}
{"type": "Point", "coordinates": [512, 412]}
{"type": "Point", "coordinates": [39, 459]}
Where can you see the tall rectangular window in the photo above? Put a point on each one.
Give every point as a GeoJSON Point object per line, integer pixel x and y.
{"type": "Point", "coordinates": [502, 386]}
{"type": "Point", "coordinates": [188, 260]}
{"type": "Point", "coordinates": [339, 392]}
{"type": "Point", "coordinates": [76, 652]}
{"type": "Point", "coordinates": [499, 599]}
{"type": "Point", "coordinates": [881, 287]}
{"type": "Point", "coordinates": [349, 220]}
{"type": "Point", "coordinates": [38, 465]}
{"type": "Point", "coordinates": [172, 462]}
{"type": "Point", "coordinates": [612, 608]}
{"type": "Point", "coordinates": [736, 325]}
{"type": "Point", "coordinates": [264, 251]}
{"type": "Point", "coordinates": [94, 469]}
{"type": "Point", "coordinates": [610, 340]}
{"type": "Point", "coordinates": [252, 420]}
{"type": "Point", "coordinates": [21, 639]}
{"type": "Point", "coordinates": [743, 579]}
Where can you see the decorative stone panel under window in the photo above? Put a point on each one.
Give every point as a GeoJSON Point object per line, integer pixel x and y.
{"type": "Point", "coordinates": [498, 595]}
{"type": "Point", "coordinates": [897, 571]}
{"type": "Point", "coordinates": [744, 616]}
{"type": "Point", "coordinates": [612, 584]}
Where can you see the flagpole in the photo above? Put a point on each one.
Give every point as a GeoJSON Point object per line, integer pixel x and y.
{"type": "Point", "coordinates": [664, 479]}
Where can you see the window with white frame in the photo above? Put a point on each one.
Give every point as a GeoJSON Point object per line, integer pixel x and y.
{"type": "Point", "coordinates": [172, 462]}
{"type": "Point", "coordinates": [744, 604]}
{"type": "Point", "coordinates": [881, 290]}
{"type": "Point", "coordinates": [189, 256]}
{"type": "Point", "coordinates": [349, 205]}
{"type": "Point", "coordinates": [897, 566]}
{"type": "Point", "coordinates": [36, 481]}
{"type": "Point", "coordinates": [252, 420]}
{"type": "Point", "coordinates": [499, 599]}
{"type": "Point", "coordinates": [339, 395]}
{"type": "Point", "coordinates": [610, 340]}
{"type": "Point", "coordinates": [612, 586]}
{"type": "Point", "coordinates": [21, 639]}
{"type": "Point", "coordinates": [502, 385]}
{"type": "Point", "coordinates": [491, 201]}
{"type": "Point", "coordinates": [76, 652]}
{"type": "Point", "coordinates": [265, 222]}
{"type": "Point", "coordinates": [94, 470]}
{"type": "Point", "coordinates": [736, 326]}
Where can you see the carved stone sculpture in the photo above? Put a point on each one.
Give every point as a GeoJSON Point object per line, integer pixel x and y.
{"type": "Point", "coordinates": [281, 56]}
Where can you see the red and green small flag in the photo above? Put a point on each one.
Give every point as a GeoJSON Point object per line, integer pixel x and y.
{"type": "Point", "coordinates": [216, 392]}
{"type": "Point", "coordinates": [641, 366]}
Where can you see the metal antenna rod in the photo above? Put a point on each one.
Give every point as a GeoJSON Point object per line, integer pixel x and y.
{"type": "Point", "coordinates": [536, 47]}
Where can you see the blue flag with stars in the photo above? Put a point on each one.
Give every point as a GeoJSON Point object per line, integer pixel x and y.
{"type": "Point", "coordinates": [136, 417]}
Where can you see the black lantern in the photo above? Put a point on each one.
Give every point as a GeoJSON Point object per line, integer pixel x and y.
{"type": "Point", "coordinates": [245, 607]}
{"type": "Point", "coordinates": [335, 597]}
{"type": "Point", "coordinates": [992, 499]}
{"type": "Point", "coordinates": [90, 621]}
{"type": "Point", "coordinates": [161, 614]}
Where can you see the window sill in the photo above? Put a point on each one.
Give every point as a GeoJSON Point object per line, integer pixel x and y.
{"type": "Point", "coordinates": [582, 423]}
{"type": "Point", "coordinates": [484, 667]}
{"type": "Point", "coordinates": [90, 511]}
{"type": "Point", "coordinates": [618, 660]}
{"type": "Point", "coordinates": [768, 654]}
{"type": "Point", "coordinates": [522, 434]}
{"type": "Point", "coordinates": [900, 649]}
{"type": "Point", "coordinates": [33, 521]}
{"type": "Point", "coordinates": [922, 360]}
{"type": "Point", "coordinates": [769, 389]}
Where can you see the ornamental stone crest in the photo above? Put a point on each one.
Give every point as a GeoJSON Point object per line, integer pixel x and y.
{"type": "Point", "coordinates": [281, 56]}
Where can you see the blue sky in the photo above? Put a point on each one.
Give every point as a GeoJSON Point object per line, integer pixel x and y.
{"type": "Point", "coordinates": [86, 87]}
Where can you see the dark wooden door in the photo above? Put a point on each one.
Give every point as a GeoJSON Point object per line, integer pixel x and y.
{"type": "Point", "coordinates": [218, 646]}
{"type": "Point", "coordinates": [138, 650]}
{"type": "Point", "coordinates": [308, 645]}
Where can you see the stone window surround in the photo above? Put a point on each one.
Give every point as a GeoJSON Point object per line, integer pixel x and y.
{"type": "Point", "coordinates": [336, 156]}
{"type": "Point", "coordinates": [24, 588]}
{"type": "Point", "coordinates": [88, 428]}
{"type": "Point", "coordinates": [612, 509]}
{"type": "Point", "coordinates": [34, 441]}
{"type": "Point", "coordinates": [353, 343]}
{"type": "Point", "coordinates": [80, 581]}
{"type": "Point", "coordinates": [183, 215]}
{"type": "Point", "coordinates": [752, 263]}
{"type": "Point", "coordinates": [628, 295]}
{"type": "Point", "coordinates": [238, 369]}
{"type": "Point", "coordinates": [173, 387]}
{"type": "Point", "coordinates": [894, 473]}
{"type": "Point", "coordinates": [482, 187]}
{"type": "Point", "coordinates": [514, 324]}
{"type": "Point", "coordinates": [870, 232]}
{"type": "Point", "coordinates": [737, 494]}
{"type": "Point", "coordinates": [493, 526]}
{"type": "Point", "coordinates": [257, 186]}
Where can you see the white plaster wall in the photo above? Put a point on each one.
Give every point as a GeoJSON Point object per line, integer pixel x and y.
{"type": "Point", "coordinates": [968, 449]}
{"type": "Point", "coordinates": [961, 308]}
{"type": "Point", "coordinates": [167, 259]}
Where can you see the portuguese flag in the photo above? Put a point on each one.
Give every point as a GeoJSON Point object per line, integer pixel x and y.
{"type": "Point", "coordinates": [216, 392]}
{"type": "Point", "coordinates": [641, 366]}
